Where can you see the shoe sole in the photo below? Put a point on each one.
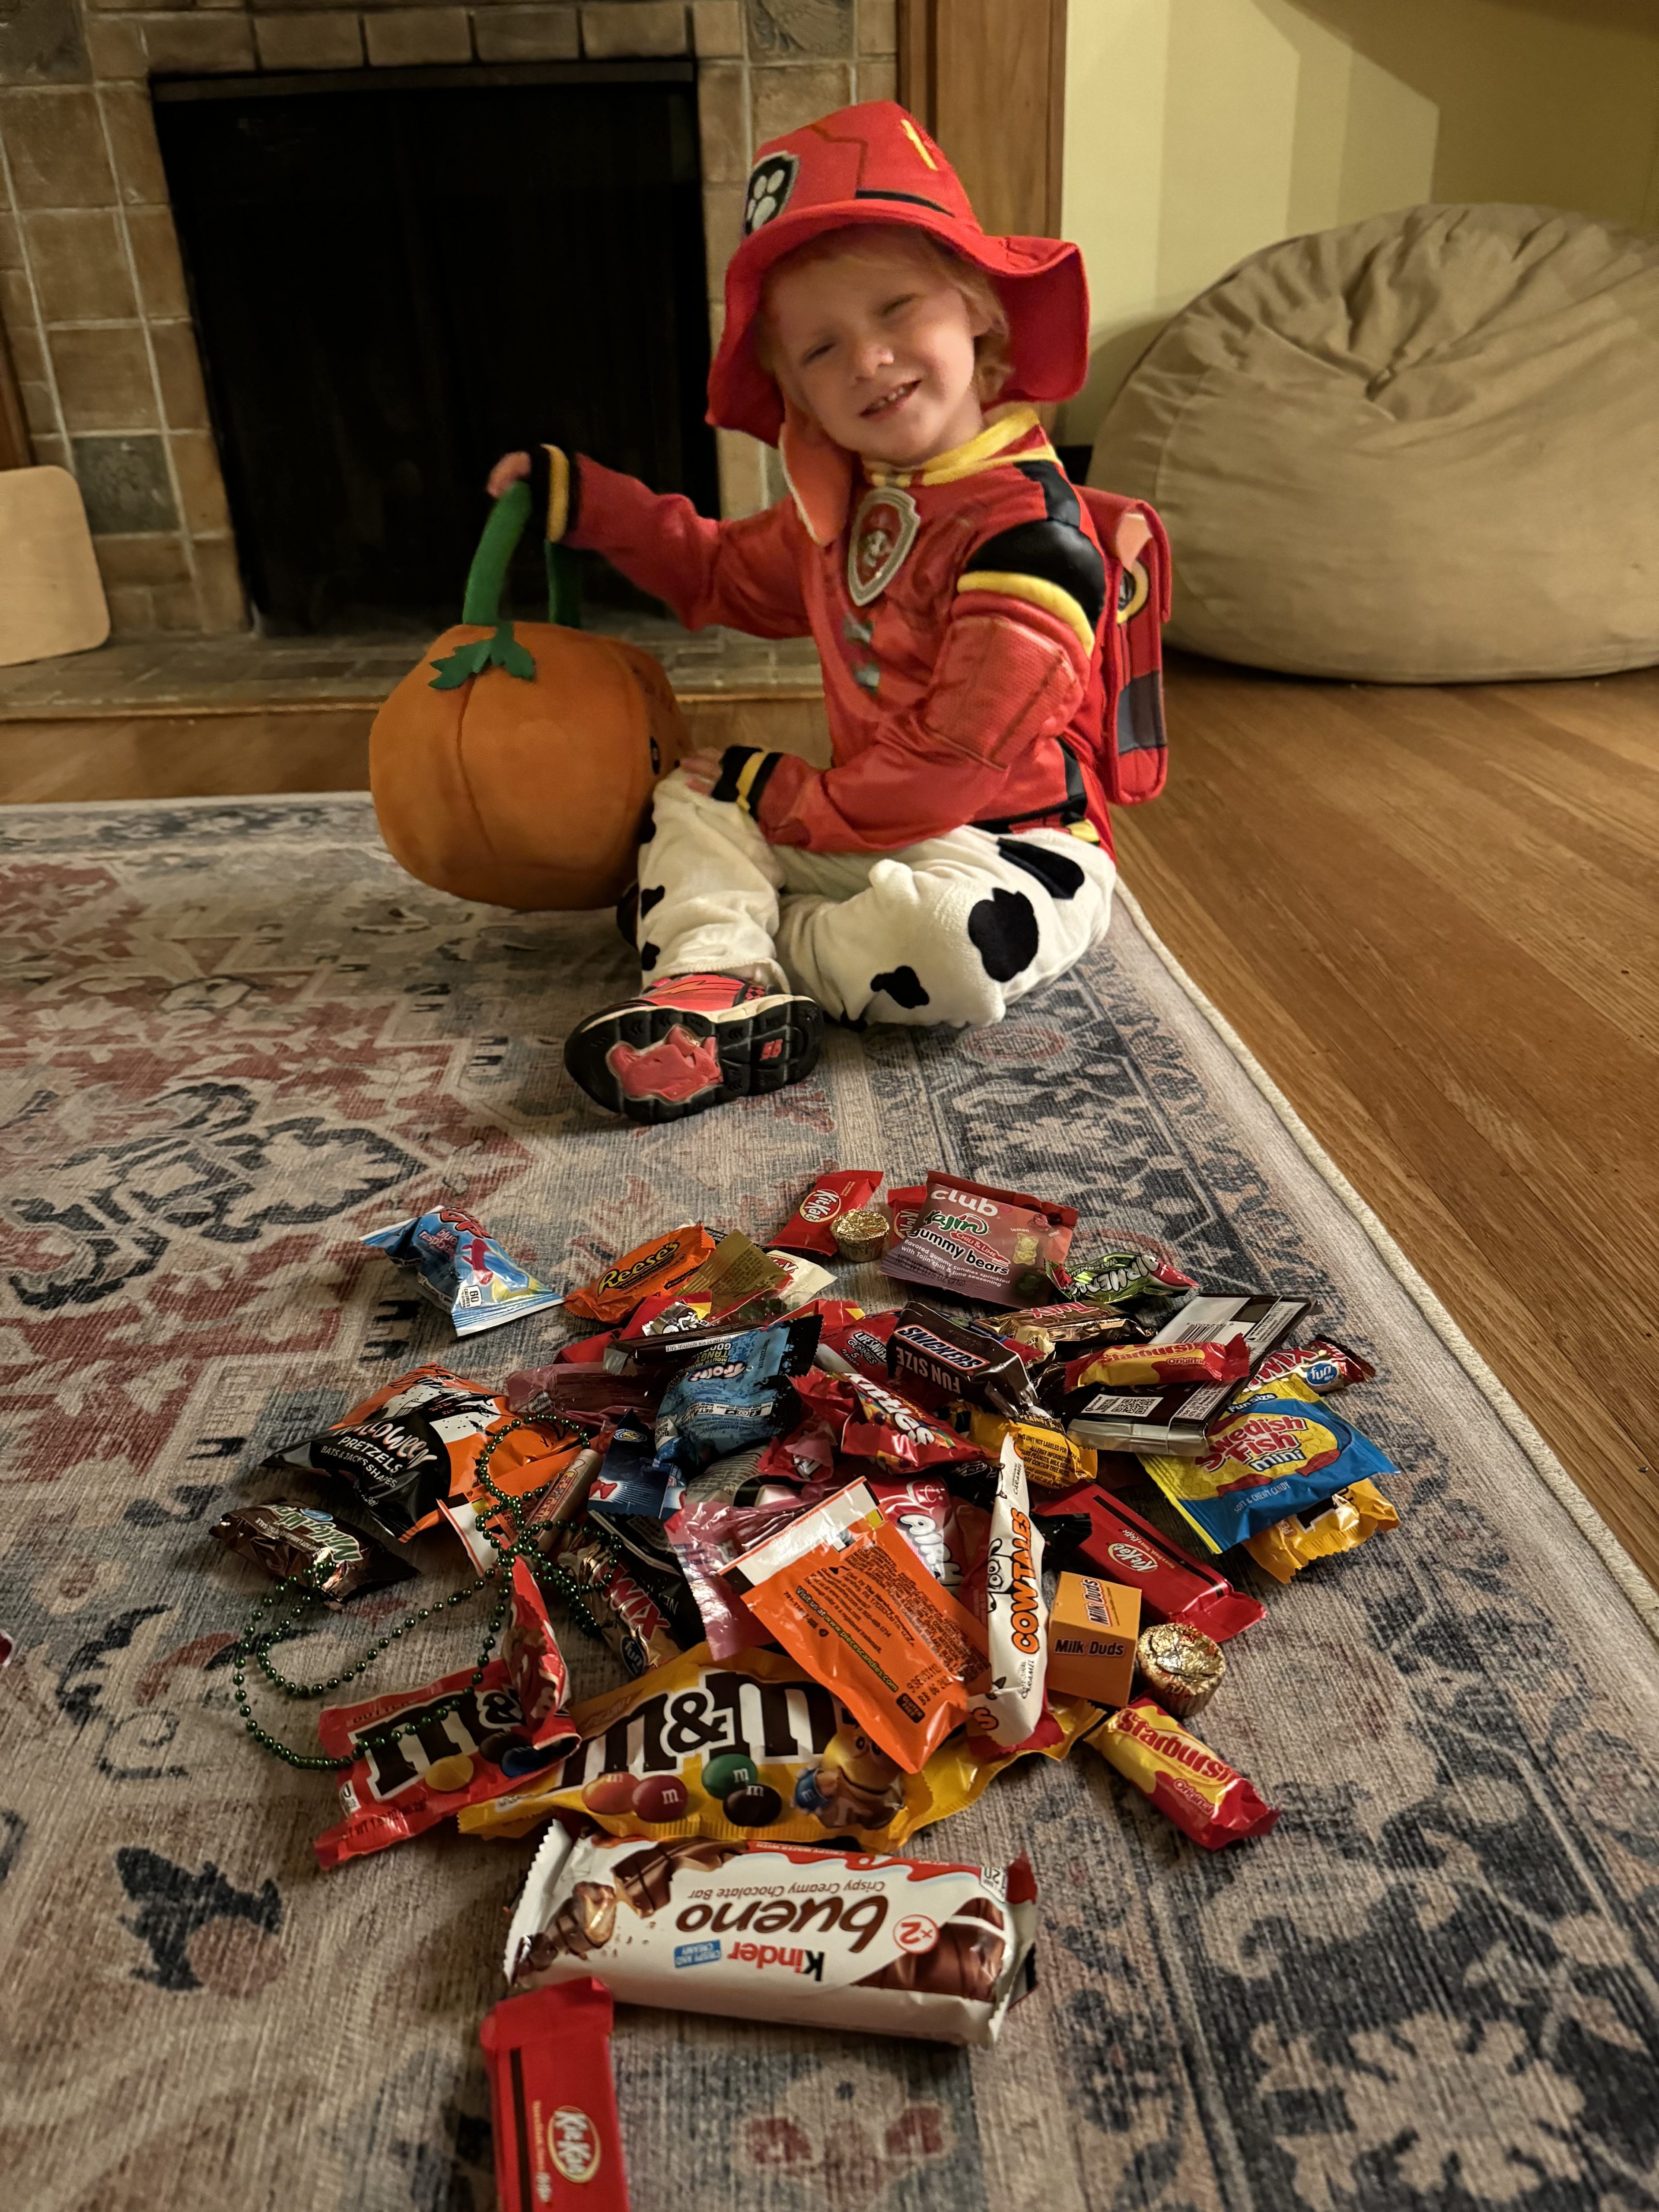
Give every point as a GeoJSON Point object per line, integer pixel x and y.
{"type": "Point", "coordinates": [765, 1044]}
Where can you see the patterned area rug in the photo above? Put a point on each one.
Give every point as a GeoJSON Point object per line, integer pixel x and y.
{"type": "Point", "coordinates": [239, 1038]}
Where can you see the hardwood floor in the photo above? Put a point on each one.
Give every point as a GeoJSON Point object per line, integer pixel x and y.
{"type": "Point", "coordinates": [1433, 914]}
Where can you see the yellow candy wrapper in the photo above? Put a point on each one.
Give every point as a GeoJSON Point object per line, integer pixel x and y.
{"type": "Point", "coordinates": [1053, 1461]}
{"type": "Point", "coordinates": [748, 1749]}
{"type": "Point", "coordinates": [1353, 1517]}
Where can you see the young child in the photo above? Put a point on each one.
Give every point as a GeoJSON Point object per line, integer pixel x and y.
{"type": "Point", "coordinates": [956, 855]}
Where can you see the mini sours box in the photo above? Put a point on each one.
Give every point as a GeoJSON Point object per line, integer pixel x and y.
{"type": "Point", "coordinates": [1092, 1628]}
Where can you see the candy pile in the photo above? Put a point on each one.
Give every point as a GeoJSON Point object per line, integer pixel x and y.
{"type": "Point", "coordinates": [851, 1564]}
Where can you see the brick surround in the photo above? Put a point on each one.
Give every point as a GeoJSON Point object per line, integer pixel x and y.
{"type": "Point", "coordinates": [92, 292]}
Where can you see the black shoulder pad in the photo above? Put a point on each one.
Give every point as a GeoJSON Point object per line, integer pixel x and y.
{"type": "Point", "coordinates": [1055, 553]}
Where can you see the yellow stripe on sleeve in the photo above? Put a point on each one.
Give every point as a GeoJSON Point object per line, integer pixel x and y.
{"type": "Point", "coordinates": [746, 776]}
{"type": "Point", "coordinates": [558, 494]}
{"type": "Point", "coordinates": [1037, 591]}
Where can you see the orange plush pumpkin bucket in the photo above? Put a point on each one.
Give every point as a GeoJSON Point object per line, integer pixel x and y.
{"type": "Point", "coordinates": [521, 773]}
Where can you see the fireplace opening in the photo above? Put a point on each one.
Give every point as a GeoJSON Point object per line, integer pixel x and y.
{"type": "Point", "coordinates": [399, 274]}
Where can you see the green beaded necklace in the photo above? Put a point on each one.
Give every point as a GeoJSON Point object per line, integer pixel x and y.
{"type": "Point", "coordinates": [290, 1599]}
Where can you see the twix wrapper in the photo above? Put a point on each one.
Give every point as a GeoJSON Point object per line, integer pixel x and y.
{"type": "Point", "coordinates": [1322, 1363]}
{"type": "Point", "coordinates": [1183, 1778]}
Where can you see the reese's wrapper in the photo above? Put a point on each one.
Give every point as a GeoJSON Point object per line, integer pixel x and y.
{"type": "Point", "coordinates": [1279, 1449]}
{"type": "Point", "coordinates": [1104, 1535]}
{"type": "Point", "coordinates": [774, 1931]}
{"type": "Point", "coordinates": [660, 1264]}
{"type": "Point", "coordinates": [811, 1227]}
{"type": "Point", "coordinates": [462, 1270]}
{"type": "Point", "coordinates": [1183, 1778]}
{"type": "Point", "coordinates": [667, 1755]}
{"type": "Point", "coordinates": [1353, 1517]}
{"type": "Point", "coordinates": [977, 1242]}
{"type": "Point", "coordinates": [417, 1440]}
{"type": "Point", "coordinates": [844, 1593]}
{"type": "Point", "coordinates": [290, 1542]}
{"type": "Point", "coordinates": [416, 1768]}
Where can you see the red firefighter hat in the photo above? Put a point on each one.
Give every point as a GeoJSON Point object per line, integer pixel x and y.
{"type": "Point", "coordinates": [874, 163]}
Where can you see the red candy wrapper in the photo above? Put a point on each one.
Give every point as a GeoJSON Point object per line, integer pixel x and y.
{"type": "Point", "coordinates": [553, 2103]}
{"type": "Point", "coordinates": [1322, 1363]}
{"type": "Point", "coordinates": [903, 1209]}
{"type": "Point", "coordinates": [1157, 1366]}
{"type": "Point", "coordinates": [1173, 1584]}
{"type": "Point", "coordinates": [859, 1345]}
{"type": "Point", "coordinates": [996, 1246]}
{"type": "Point", "coordinates": [1183, 1778]}
{"type": "Point", "coordinates": [864, 1419]}
{"type": "Point", "coordinates": [811, 1227]}
{"type": "Point", "coordinates": [489, 1744]}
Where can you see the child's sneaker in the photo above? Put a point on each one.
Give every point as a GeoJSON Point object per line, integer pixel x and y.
{"type": "Point", "coordinates": [691, 1042]}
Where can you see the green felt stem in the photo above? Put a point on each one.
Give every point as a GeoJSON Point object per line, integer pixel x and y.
{"type": "Point", "coordinates": [486, 579]}
{"type": "Point", "coordinates": [564, 587]}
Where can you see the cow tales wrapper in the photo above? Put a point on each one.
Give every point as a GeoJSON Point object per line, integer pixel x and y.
{"type": "Point", "coordinates": [777, 1931]}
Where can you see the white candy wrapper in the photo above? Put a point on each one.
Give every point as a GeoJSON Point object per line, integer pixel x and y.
{"type": "Point", "coordinates": [1011, 1708]}
{"type": "Point", "coordinates": [779, 1931]}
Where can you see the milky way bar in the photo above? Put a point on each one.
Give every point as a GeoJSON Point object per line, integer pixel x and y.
{"type": "Point", "coordinates": [933, 1358]}
{"type": "Point", "coordinates": [779, 1931]}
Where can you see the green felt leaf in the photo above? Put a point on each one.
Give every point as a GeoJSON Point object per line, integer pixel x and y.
{"type": "Point", "coordinates": [464, 662]}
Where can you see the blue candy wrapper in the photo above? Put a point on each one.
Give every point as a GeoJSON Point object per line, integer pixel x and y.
{"type": "Point", "coordinates": [728, 1395]}
{"type": "Point", "coordinates": [462, 1269]}
{"type": "Point", "coordinates": [629, 1481]}
{"type": "Point", "coordinates": [1277, 1450]}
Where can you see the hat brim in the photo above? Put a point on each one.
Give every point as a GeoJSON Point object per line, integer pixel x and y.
{"type": "Point", "coordinates": [1041, 281]}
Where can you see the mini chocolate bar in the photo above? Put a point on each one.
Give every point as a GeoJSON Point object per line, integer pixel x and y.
{"type": "Point", "coordinates": [1118, 1543]}
{"type": "Point", "coordinates": [880, 1945]}
{"type": "Point", "coordinates": [290, 1541]}
{"type": "Point", "coordinates": [1322, 1363]}
{"type": "Point", "coordinates": [811, 1227]}
{"type": "Point", "coordinates": [553, 2103]}
{"type": "Point", "coordinates": [934, 1357]}
{"type": "Point", "coordinates": [1174, 1422]}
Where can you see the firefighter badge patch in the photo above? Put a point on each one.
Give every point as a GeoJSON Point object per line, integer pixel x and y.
{"type": "Point", "coordinates": [883, 530]}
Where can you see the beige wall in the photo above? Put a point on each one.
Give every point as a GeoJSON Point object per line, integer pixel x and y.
{"type": "Point", "coordinates": [1196, 130]}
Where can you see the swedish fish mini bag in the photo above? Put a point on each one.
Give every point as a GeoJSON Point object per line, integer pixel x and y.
{"type": "Point", "coordinates": [1279, 1449]}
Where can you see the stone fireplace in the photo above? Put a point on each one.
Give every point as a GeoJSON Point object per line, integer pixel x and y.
{"type": "Point", "coordinates": [92, 285]}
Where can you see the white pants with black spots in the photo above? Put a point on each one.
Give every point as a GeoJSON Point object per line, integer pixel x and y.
{"type": "Point", "coordinates": [951, 930]}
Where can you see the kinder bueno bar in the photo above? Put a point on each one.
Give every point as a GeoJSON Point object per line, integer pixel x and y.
{"type": "Point", "coordinates": [552, 2102]}
{"type": "Point", "coordinates": [933, 1358]}
{"type": "Point", "coordinates": [811, 1227]}
{"type": "Point", "coordinates": [1200, 1793]}
{"type": "Point", "coordinates": [1173, 1585]}
{"type": "Point", "coordinates": [775, 1932]}
{"type": "Point", "coordinates": [977, 1242]}
{"type": "Point", "coordinates": [1174, 1422]}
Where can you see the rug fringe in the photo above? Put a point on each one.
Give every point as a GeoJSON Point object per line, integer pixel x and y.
{"type": "Point", "coordinates": [1638, 1590]}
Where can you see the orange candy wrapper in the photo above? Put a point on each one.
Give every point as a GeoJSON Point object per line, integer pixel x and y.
{"type": "Point", "coordinates": [1183, 1778]}
{"type": "Point", "coordinates": [846, 1594]}
{"type": "Point", "coordinates": [658, 1265]}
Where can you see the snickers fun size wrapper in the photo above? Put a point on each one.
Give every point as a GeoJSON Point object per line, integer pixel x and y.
{"type": "Point", "coordinates": [777, 1931]}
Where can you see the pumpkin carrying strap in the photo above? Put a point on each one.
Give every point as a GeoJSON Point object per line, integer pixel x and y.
{"type": "Point", "coordinates": [486, 580]}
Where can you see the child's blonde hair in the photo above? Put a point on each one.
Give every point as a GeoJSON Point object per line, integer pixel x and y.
{"type": "Point", "coordinates": [993, 360]}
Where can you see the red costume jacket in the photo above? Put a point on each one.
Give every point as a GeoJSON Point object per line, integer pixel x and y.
{"type": "Point", "coordinates": [961, 619]}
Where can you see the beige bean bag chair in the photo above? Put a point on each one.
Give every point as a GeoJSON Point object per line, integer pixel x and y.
{"type": "Point", "coordinates": [1420, 449]}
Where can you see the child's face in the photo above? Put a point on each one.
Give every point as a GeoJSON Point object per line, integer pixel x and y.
{"type": "Point", "coordinates": [880, 346]}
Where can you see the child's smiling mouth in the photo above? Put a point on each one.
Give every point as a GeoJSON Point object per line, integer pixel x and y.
{"type": "Point", "coordinates": [890, 402]}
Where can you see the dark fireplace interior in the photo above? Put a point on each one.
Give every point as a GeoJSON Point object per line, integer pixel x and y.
{"type": "Point", "coordinates": [398, 274]}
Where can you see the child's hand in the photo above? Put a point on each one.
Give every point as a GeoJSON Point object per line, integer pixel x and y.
{"type": "Point", "coordinates": [701, 770]}
{"type": "Point", "coordinates": [510, 469]}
